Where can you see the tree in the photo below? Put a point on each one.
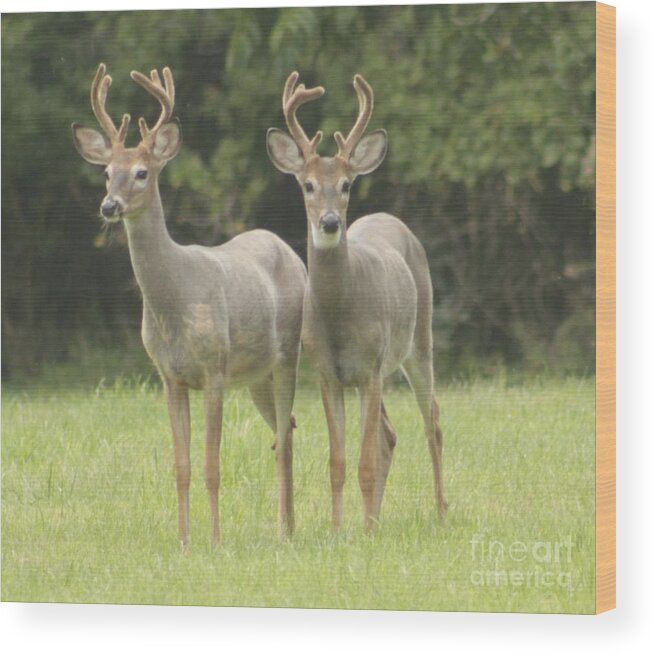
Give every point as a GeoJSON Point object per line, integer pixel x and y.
{"type": "Point", "coordinates": [490, 111]}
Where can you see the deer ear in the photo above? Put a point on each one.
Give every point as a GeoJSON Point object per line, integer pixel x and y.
{"type": "Point", "coordinates": [283, 152]}
{"type": "Point", "coordinates": [92, 145]}
{"type": "Point", "coordinates": [168, 141]}
{"type": "Point", "coordinates": [369, 153]}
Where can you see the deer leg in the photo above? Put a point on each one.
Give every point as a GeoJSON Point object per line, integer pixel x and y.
{"type": "Point", "coordinates": [332, 396]}
{"type": "Point", "coordinates": [263, 397]}
{"type": "Point", "coordinates": [177, 399]}
{"type": "Point", "coordinates": [436, 452]}
{"type": "Point", "coordinates": [387, 441]}
{"type": "Point", "coordinates": [371, 409]}
{"type": "Point", "coordinates": [284, 389]}
{"type": "Point", "coordinates": [419, 374]}
{"type": "Point", "coordinates": [213, 431]}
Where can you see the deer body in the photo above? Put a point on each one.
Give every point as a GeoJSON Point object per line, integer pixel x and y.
{"type": "Point", "coordinates": [195, 313]}
{"type": "Point", "coordinates": [368, 302]}
{"type": "Point", "coordinates": [360, 302]}
{"type": "Point", "coordinates": [213, 317]}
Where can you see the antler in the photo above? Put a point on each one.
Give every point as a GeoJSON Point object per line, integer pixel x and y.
{"type": "Point", "coordinates": [99, 88]}
{"type": "Point", "coordinates": [292, 99]}
{"type": "Point", "coordinates": [164, 93]}
{"type": "Point", "coordinates": [365, 96]}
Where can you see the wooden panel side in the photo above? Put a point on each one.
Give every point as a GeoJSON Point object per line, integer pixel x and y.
{"type": "Point", "coordinates": [605, 307]}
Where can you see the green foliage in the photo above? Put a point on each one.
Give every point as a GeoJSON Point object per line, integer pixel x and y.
{"type": "Point", "coordinates": [490, 115]}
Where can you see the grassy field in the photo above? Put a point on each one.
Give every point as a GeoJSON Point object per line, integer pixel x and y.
{"type": "Point", "coordinates": [89, 508]}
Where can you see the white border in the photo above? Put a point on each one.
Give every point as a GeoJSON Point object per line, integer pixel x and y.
{"type": "Point", "coordinates": [84, 628]}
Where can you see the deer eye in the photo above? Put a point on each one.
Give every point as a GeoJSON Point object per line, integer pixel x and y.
{"type": "Point", "coordinates": [345, 187]}
{"type": "Point", "coordinates": [309, 187]}
{"type": "Point", "coordinates": [141, 174]}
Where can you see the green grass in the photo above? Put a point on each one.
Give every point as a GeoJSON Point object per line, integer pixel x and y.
{"type": "Point", "coordinates": [89, 508]}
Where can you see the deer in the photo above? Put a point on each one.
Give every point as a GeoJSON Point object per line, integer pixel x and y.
{"type": "Point", "coordinates": [213, 317]}
{"type": "Point", "coordinates": [368, 301]}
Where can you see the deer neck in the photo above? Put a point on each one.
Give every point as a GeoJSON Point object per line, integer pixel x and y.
{"type": "Point", "coordinates": [154, 254]}
{"type": "Point", "coordinates": [329, 278]}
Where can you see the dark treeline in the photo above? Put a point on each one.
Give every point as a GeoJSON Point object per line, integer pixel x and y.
{"type": "Point", "coordinates": [490, 111]}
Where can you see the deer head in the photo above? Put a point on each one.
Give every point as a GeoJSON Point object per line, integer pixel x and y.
{"type": "Point", "coordinates": [131, 173]}
{"type": "Point", "coordinates": [325, 181]}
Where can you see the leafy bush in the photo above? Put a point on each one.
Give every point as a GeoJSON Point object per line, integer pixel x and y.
{"type": "Point", "coordinates": [490, 111]}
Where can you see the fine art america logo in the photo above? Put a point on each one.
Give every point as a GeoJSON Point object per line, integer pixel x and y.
{"type": "Point", "coordinates": [526, 564]}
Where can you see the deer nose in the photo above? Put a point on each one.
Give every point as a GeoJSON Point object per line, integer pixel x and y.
{"type": "Point", "coordinates": [109, 208]}
{"type": "Point", "coordinates": [329, 223]}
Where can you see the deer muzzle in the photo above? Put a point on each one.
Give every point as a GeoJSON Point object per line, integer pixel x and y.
{"type": "Point", "coordinates": [111, 209]}
{"type": "Point", "coordinates": [327, 233]}
{"type": "Point", "coordinates": [329, 223]}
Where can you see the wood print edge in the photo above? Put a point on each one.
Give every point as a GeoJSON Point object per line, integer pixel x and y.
{"type": "Point", "coordinates": [605, 307]}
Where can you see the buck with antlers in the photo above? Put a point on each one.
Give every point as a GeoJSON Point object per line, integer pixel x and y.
{"type": "Point", "coordinates": [368, 301]}
{"type": "Point", "coordinates": [212, 316]}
